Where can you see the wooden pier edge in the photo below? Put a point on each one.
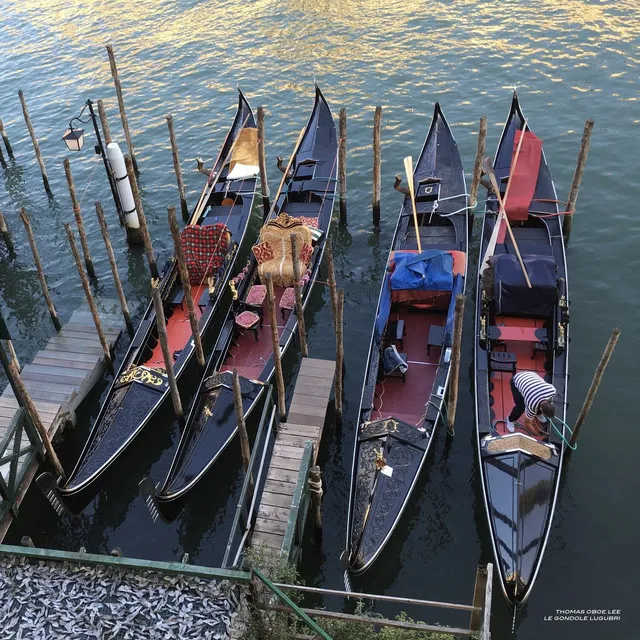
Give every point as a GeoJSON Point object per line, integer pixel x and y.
{"type": "Point", "coordinates": [285, 496]}
{"type": "Point", "coordinates": [58, 378]}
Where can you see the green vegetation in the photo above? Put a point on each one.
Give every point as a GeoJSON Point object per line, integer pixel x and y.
{"type": "Point", "coordinates": [280, 625]}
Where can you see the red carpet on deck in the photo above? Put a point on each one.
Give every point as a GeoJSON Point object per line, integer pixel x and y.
{"type": "Point", "coordinates": [248, 356]}
{"type": "Point", "coordinates": [406, 400]}
{"type": "Point", "coordinates": [178, 329]}
{"type": "Point", "coordinates": [500, 387]}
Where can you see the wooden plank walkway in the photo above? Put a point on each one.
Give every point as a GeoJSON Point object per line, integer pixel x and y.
{"type": "Point", "coordinates": [61, 375]}
{"type": "Point", "coordinates": [305, 421]}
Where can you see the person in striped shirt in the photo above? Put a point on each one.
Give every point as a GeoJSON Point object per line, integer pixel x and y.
{"type": "Point", "coordinates": [533, 397]}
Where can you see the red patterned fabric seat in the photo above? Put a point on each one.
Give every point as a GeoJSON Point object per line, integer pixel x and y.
{"type": "Point", "coordinates": [288, 300]}
{"type": "Point", "coordinates": [205, 249]}
{"type": "Point", "coordinates": [256, 296]}
{"type": "Point", "coordinates": [249, 321]}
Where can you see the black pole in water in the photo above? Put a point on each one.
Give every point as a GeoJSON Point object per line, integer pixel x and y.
{"type": "Point", "coordinates": [100, 150]}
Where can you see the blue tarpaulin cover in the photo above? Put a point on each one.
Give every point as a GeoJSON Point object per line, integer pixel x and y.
{"type": "Point", "coordinates": [431, 270]}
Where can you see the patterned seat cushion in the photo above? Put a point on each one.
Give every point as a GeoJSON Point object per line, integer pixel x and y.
{"type": "Point", "coordinates": [257, 294]}
{"type": "Point", "coordinates": [288, 300]}
{"type": "Point", "coordinates": [247, 319]}
{"type": "Point", "coordinates": [205, 249]}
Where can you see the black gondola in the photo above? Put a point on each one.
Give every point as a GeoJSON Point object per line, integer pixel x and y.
{"type": "Point", "coordinates": [211, 240]}
{"type": "Point", "coordinates": [303, 206]}
{"type": "Point", "coordinates": [520, 329]}
{"type": "Point", "coordinates": [401, 407]}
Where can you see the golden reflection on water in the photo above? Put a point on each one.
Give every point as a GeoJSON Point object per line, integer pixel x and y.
{"type": "Point", "coordinates": [375, 32]}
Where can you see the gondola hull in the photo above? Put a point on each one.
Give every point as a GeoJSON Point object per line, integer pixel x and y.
{"type": "Point", "coordinates": [520, 471]}
{"type": "Point", "coordinates": [140, 388]}
{"type": "Point", "coordinates": [400, 410]}
{"type": "Point", "coordinates": [307, 196]}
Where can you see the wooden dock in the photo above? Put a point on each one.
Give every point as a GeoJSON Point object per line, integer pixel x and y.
{"type": "Point", "coordinates": [305, 421]}
{"type": "Point", "coordinates": [57, 380]}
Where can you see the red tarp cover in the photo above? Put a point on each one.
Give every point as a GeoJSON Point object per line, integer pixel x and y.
{"type": "Point", "coordinates": [205, 249]}
{"type": "Point", "coordinates": [523, 179]}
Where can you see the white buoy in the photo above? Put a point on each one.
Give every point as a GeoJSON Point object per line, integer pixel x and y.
{"type": "Point", "coordinates": [116, 160]}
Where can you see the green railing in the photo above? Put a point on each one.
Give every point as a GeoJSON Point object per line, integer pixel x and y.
{"type": "Point", "coordinates": [18, 458]}
{"type": "Point", "coordinates": [243, 519]}
{"type": "Point", "coordinates": [295, 609]}
{"type": "Point", "coordinates": [293, 534]}
{"type": "Point", "coordinates": [80, 557]}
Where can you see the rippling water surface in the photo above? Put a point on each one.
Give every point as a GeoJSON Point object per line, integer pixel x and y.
{"type": "Point", "coordinates": [570, 61]}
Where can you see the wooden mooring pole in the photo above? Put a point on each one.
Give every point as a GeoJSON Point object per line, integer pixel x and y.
{"type": "Point", "coordinates": [342, 166]}
{"type": "Point", "coordinates": [477, 165]}
{"type": "Point", "coordinates": [39, 270]}
{"type": "Point", "coordinates": [106, 130]}
{"type": "Point", "coordinates": [315, 489]}
{"type": "Point", "coordinates": [89, 296]}
{"type": "Point", "coordinates": [114, 269]}
{"type": "Point", "coordinates": [377, 119]}
{"type": "Point", "coordinates": [36, 146]}
{"type": "Point", "coordinates": [275, 344]}
{"type": "Point", "coordinates": [176, 166]}
{"type": "Point", "coordinates": [331, 280]}
{"type": "Point", "coordinates": [166, 354]}
{"type": "Point", "coordinates": [455, 362]}
{"type": "Point", "coordinates": [79, 222]}
{"type": "Point", "coordinates": [595, 384]}
{"type": "Point", "coordinates": [262, 163]}
{"type": "Point", "coordinates": [302, 328]}
{"type": "Point", "coordinates": [146, 238]}
{"type": "Point", "coordinates": [242, 426]}
{"type": "Point", "coordinates": [5, 138]}
{"type": "Point", "coordinates": [577, 179]}
{"type": "Point", "coordinates": [123, 115]}
{"type": "Point", "coordinates": [186, 285]}
{"type": "Point", "coordinates": [3, 162]}
{"type": "Point", "coordinates": [24, 400]}
{"type": "Point", "coordinates": [5, 234]}
{"type": "Point", "coordinates": [339, 351]}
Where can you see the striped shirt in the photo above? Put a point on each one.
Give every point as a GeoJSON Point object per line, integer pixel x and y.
{"type": "Point", "coordinates": [534, 390]}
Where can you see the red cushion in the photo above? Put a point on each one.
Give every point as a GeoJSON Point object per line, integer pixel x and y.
{"type": "Point", "coordinates": [305, 253]}
{"type": "Point", "coordinates": [288, 300]}
{"type": "Point", "coordinates": [247, 319]}
{"type": "Point", "coordinates": [524, 177]}
{"type": "Point", "coordinates": [205, 249]}
{"type": "Point", "coordinates": [310, 222]}
{"type": "Point", "coordinates": [257, 294]}
{"type": "Point", "coordinates": [263, 252]}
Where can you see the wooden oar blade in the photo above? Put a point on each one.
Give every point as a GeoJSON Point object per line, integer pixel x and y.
{"type": "Point", "coordinates": [408, 168]}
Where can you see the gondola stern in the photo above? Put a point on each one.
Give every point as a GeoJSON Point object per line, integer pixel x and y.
{"type": "Point", "coordinates": [148, 491]}
{"type": "Point", "coordinates": [49, 487]}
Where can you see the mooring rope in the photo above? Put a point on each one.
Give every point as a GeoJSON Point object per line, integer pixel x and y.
{"type": "Point", "coordinates": [95, 166]}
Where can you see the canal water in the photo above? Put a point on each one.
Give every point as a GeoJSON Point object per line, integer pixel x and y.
{"type": "Point", "coordinates": [570, 61]}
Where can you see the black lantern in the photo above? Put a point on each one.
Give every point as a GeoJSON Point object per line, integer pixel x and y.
{"type": "Point", "coordinates": [73, 138]}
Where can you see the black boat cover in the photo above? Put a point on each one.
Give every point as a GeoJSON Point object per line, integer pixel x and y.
{"type": "Point", "coordinates": [512, 296]}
